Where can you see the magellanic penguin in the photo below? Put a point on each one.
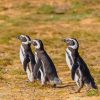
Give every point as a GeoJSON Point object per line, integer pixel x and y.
{"type": "Point", "coordinates": [79, 70]}
{"type": "Point", "coordinates": [43, 60]}
{"type": "Point", "coordinates": [26, 56]}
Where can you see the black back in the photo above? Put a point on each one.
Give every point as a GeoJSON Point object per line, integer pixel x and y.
{"type": "Point", "coordinates": [48, 63]}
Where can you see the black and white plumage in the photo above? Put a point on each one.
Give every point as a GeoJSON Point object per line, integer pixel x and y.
{"type": "Point", "coordinates": [43, 61]}
{"type": "Point", "coordinates": [79, 70]}
{"type": "Point", "coordinates": [26, 56]}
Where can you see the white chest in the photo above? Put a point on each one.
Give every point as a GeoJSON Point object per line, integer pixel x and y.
{"type": "Point", "coordinates": [36, 58]}
{"type": "Point", "coordinates": [22, 53]}
{"type": "Point", "coordinates": [68, 60]}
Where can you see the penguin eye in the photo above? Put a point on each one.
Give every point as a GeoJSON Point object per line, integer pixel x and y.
{"type": "Point", "coordinates": [34, 43]}
{"type": "Point", "coordinates": [23, 39]}
{"type": "Point", "coordinates": [71, 43]}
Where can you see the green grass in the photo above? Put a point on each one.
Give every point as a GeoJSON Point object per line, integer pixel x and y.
{"type": "Point", "coordinates": [45, 9]}
{"type": "Point", "coordinates": [35, 84]}
{"type": "Point", "coordinates": [44, 13]}
{"type": "Point", "coordinates": [93, 92]}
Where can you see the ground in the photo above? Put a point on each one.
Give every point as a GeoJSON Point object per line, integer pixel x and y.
{"type": "Point", "coordinates": [51, 21]}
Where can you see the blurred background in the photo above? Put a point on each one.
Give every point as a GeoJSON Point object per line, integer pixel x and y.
{"type": "Point", "coordinates": [50, 21]}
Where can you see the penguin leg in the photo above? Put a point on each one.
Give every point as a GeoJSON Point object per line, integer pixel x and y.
{"type": "Point", "coordinates": [79, 83]}
{"type": "Point", "coordinates": [88, 85]}
{"type": "Point", "coordinates": [80, 86]}
{"type": "Point", "coordinates": [39, 76]}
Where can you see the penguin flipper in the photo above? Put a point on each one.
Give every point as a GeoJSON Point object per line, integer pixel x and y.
{"type": "Point", "coordinates": [26, 61]}
{"type": "Point", "coordinates": [36, 69]}
{"type": "Point", "coordinates": [73, 70]}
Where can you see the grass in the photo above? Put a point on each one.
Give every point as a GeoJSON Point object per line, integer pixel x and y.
{"type": "Point", "coordinates": [39, 20]}
{"type": "Point", "coordinates": [45, 9]}
{"type": "Point", "coordinates": [93, 93]}
{"type": "Point", "coordinates": [17, 72]}
{"type": "Point", "coordinates": [1, 73]}
{"type": "Point", "coordinates": [5, 61]}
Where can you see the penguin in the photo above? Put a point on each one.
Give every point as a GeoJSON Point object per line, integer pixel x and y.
{"type": "Point", "coordinates": [79, 70]}
{"type": "Point", "coordinates": [49, 73]}
{"type": "Point", "coordinates": [27, 57]}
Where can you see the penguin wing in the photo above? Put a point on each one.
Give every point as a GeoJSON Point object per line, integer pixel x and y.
{"type": "Point", "coordinates": [74, 68]}
{"type": "Point", "coordinates": [87, 74]}
{"type": "Point", "coordinates": [26, 61]}
{"type": "Point", "coordinates": [36, 68]}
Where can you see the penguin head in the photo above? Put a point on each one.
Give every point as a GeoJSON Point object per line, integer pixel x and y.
{"type": "Point", "coordinates": [72, 43]}
{"type": "Point", "coordinates": [38, 44]}
{"type": "Point", "coordinates": [25, 39]}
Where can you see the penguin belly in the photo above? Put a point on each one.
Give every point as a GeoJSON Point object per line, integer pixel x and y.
{"type": "Point", "coordinates": [69, 58]}
{"type": "Point", "coordinates": [68, 62]}
{"type": "Point", "coordinates": [22, 54]}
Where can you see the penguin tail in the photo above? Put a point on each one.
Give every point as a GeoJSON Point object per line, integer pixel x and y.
{"type": "Point", "coordinates": [56, 81]}
{"type": "Point", "coordinates": [93, 85]}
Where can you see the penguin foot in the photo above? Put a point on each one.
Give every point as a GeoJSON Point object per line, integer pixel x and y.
{"type": "Point", "coordinates": [43, 83]}
{"type": "Point", "coordinates": [54, 85]}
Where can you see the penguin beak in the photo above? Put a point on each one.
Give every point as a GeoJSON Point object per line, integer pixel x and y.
{"type": "Point", "coordinates": [18, 37]}
{"type": "Point", "coordinates": [64, 40]}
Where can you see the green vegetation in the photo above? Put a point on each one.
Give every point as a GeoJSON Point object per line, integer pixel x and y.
{"type": "Point", "coordinates": [45, 9]}
{"type": "Point", "coordinates": [93, 92]}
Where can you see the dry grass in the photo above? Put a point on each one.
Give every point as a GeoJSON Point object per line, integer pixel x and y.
{"type": "Point", "coordinates": [45, 19]}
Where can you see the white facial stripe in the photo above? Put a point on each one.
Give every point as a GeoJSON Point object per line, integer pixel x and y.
{"type": "Point", "coordinates": [74, 46]}
{"type": "Point", "coordinates": [28, 41]}
{"type": "Point", "coordinates": [23, 35]}
{"type": "Point", "coordinates": [38, 44]}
